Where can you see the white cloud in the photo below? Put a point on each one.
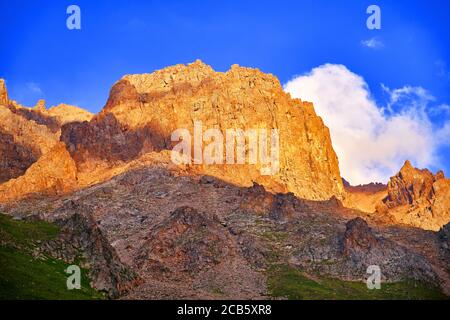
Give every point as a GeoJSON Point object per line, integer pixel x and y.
{"type": "Point", "coordinates": [373, 43]}
{"type": "Point", "coordinates": [414, 100]}
{"type": "Point", "coordinates": [442, 109]}
{"type": "Point", "coordinates": [408, 92]}
{"type": "Point", "coordinates": [372, 142]}
{"type": "Point", "coordinates": [443, 135]}
{"type": "Point", "coordinates": [34, 87]}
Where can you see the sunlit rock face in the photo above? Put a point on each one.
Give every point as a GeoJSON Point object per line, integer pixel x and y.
{"type": "Point", "coordinates": [144, 110]}
{"type": "Point", "coordinates": [32, 159]}
{"type": "Point", "coordinates": [53, 173]}
{"type": "Point", "coordinates": [3, 93]}
{"type": "Point", "coordinates": [417, 197]}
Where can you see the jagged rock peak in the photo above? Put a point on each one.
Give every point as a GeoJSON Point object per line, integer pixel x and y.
{"type": "Point", "coordinates": [40, 106]}
{"type": "Point", "coordinates": [65, 113]}
{"type": "Point", "coordinates": [440, 175]}
{"type": "Point", "coordinates": [407, 165]}
{"type": "Point", "coordinates": [408, 169]}
{"type": "Point", "coordinates": [3, 93]}
{"type": "Point", "coordinates": [195, 74]}
{"type": "Point", "coordinates": [417, 197]}
{"type": "Point", "coordinates": [410, 185]}
{"type": "Point", "coordinates": [358, 237]}
{"type": "Point", "coordinates": [199, 64]}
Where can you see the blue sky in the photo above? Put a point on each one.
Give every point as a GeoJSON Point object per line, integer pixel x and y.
{"type": "Point", "coordinates": [41, 58]}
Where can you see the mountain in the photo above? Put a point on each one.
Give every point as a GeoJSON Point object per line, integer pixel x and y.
{"type": "Point", "coordinates": [365, 188]}
{"type": "Point", "coordinates": [143, 110]}
{"type": "Point", "coordinates": [146, 227]}
{"type": "Point", "coordinates": [414, 197]}
{"type": "Point", "coordinates": [33, 160]}
{"type": "Point", "coordinates": [191, 237]}
{"type": "Point", "coordinates": [417, 197]}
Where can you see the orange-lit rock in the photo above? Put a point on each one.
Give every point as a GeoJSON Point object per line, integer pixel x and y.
{"type": "Point", "coordinates": [417, 197]}
{"type": "Point", "coordinates": [65, 113]}
{"type": "Point", "coordinates": [143, 111]}
{"type": "Point", "coordinates": [3, 93]}
{"type": "Point", "coordinates": [53, 173]}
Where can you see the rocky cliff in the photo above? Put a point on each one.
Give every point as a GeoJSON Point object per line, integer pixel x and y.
{"type": "Point", "coordinates": [3, 93]}
{"type": "Point", "coordinates": [23, 140]}
{"type": "Point", "coordinates": [417, 197]}
{"type": "Point", "coordinates": [134, 129]}
{"type": "Point", "coordinates": [191, 237]}
{"type": "Point", "coordinates": [32, 159]}
{"type": "Point", "coordinates": [15, 158]}
{"type": "Point", "coordinates": [144, 110]}
{"type": "Point", "coordinates": [65, 113]}
{"type": "Point", "coordinates": [53, 173]}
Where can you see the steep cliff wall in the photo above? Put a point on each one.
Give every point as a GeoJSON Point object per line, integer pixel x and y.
{"type": "Point", "coordinates": [143, 110]}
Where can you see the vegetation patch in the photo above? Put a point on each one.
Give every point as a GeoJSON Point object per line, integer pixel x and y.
{"type": "Point", "coordinates": [24, 277]}
{"type": "Point", "coordinates": [288, 282]}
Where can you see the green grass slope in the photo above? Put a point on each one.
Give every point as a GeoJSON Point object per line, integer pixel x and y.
{"type": "Point", "coordinates": [22, 276]}
{"type": "Point", "coordinates": [288, 282]}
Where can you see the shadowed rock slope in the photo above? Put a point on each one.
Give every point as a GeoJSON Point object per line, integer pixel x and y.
{"type": "Point", "coordinates": [199, 237]}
